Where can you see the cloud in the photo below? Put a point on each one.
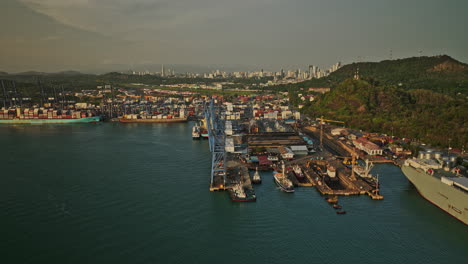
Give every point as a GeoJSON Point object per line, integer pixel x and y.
{"type": "Point", "coordinates": [273, 32]}
{"type": "Point", "coordinates": [123, 16]}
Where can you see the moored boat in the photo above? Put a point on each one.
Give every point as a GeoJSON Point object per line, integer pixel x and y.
{"type": "Point", "coordinates": [332, 199]}
{"type": "Point", "coordinates": [45, 116]}
{"type": "Point", "coordinates": [331, 172]}
{"type": "Point", "coordinates": [92, 119]}
{"type": "Point", "coordinates": [239, 194]}
{"type": "Point", "coordinates": [298, 173]}
{"type": "Point", "coordinates": [153, 120]}
{"type": "Point", "coordinates": [195, 132]}
{"type": "Point", "coordinates": [282, 181]}
{"type": "Point", "coordinates": [204, 133]}
{"type": "Point", "coordinates": [256, 177]}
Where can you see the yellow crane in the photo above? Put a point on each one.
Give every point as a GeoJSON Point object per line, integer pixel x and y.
{"type": "Point", "coordinates": [321, 119]}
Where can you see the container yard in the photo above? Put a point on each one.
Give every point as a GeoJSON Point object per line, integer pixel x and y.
{"type": "Point", "coordinates": [256, 139]}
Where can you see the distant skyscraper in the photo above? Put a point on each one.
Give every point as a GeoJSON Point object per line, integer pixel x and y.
{"type": "Point", "coordinates": [162, 70]}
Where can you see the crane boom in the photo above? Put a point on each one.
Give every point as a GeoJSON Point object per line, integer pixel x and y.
{"type": "Point", "coordinates": [321, 119]}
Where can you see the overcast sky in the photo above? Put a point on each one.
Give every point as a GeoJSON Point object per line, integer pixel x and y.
{"type": "Point", "coordinates": [89, 35]}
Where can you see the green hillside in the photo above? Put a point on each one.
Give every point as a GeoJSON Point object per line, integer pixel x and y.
{"type": "Point", "coordinates": [441, 74]}
{"type": "Point", "coordinates": [426, 115]}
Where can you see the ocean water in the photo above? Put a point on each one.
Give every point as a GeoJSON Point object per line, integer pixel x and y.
{"type": "Point", "coordinates": [138, 193]}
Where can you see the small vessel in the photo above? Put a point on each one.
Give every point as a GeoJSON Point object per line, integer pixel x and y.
{"type": "Point", "coordinates": [196, 132]}
{"type": "Point", "coordinates": [282, 181]}
{"type": "Point", "coordinates": [298, 172]}
{"type": "Point", "coordinates": [341, 212]}
{"type": "Point", "coordinates": [256, 177]}
{"type": "Point", "coordinates": [239, 193]}
{"type": "Point", "coordinates": [204, 133]}
{"type": "Point", "coordinates": [332, 199]}
{"type": "Point", "coordinates": [337, 206]}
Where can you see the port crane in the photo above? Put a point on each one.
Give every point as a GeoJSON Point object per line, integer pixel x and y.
{"type": "Point", "coordinates": [321, 119]}
{"type": "Point", "coordinates": [214, 122]}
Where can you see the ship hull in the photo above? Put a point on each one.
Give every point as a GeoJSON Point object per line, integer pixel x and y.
{"type": "Point", "coordinates": [154, 120]}
{"type": "Point", "coordinates": [282, 187]}
{"type": "Point", "coordinates": [93, 119]}
{"type": "Point", "coordinates": [447, 198]}
{"type": "Point", "coordinates": [235, 198]}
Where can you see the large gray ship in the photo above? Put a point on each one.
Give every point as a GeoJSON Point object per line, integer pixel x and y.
{"type": "Point", "coordinates": [446, 190]}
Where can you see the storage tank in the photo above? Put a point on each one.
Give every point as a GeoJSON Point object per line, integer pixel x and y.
{"type": "Point", "coordinates": [422, 154]}
{"type": "Point", "coordinates": [428, 155]}
{"type": "Point", "coordinates": [437, 155]}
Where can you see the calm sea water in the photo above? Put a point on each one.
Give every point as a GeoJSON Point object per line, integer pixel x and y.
{"type": "Point", "coordinates": [138, 193]}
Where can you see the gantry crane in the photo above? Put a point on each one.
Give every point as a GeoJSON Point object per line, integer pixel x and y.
{"type": "Point", "coordinates": [321, 119]}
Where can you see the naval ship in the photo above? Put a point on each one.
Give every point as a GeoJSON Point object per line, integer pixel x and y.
{"type": "Point", "coordinates": [446, 189]}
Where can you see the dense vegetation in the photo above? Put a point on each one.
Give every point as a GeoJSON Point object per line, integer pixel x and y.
{"type": "Point", "coordinates": [441, 74]}
{"type": "Point", "coordinates": [426, 115]}
{"type": "Point", "coordinates": [75, 81]}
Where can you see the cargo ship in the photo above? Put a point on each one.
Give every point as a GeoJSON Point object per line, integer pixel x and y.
{"type": "Point", "coordinates": [331, 172]}
{"type": "Point", "coordinates": [282, 181]}
{"type": "Point", "coordinates": [364, 172]}
{"type": "Point", "coordinates": [298, 173]}
{"type": "Point", "coordinates": [38, 116]}
{"type": "Point", "coordinates": [151, 119]}
{"type": "Point", "coordinates": [446, 190]}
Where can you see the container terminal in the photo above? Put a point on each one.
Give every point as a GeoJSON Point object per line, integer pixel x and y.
{"type": "Point", "coordinates": [241, 140]}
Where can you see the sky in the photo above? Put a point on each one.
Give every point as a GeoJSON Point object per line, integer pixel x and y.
{"type": "Point", "coordinates": [105, 35]}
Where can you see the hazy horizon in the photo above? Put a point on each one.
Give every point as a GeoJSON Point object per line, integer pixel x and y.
{"type": "Point", "coordinates": [96, 36]}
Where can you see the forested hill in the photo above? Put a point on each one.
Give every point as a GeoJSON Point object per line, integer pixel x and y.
{"type": "Point", "coordinates": [429, 116]}
{"type": "Point", "coordinates": [441, 74]}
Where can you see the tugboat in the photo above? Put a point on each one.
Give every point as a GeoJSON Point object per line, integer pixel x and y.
{"type": "Point", "coordinates": [238, 193]}
{"type": "Point", "coordinates": [282, 181]}
{"type": "Point", "coordinates": [256, 177]}
{"type": "Point", "coordinates": [196, 132]}
{"type": "Point", "coordinates": [332, 199]}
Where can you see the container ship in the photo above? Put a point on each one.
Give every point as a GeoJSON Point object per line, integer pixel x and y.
{"type": "Point", "coordinates": [446, 190]}
{"type": "Point", "coordinates": [46, 116]}
{"type": "Point", "coordinates": [149, 118]}
{"type": "Point", "coordinates": [282, 181]}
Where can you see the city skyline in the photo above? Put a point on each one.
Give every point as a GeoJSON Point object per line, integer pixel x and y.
{"type": "Point", "coordinates": [101, 36]}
